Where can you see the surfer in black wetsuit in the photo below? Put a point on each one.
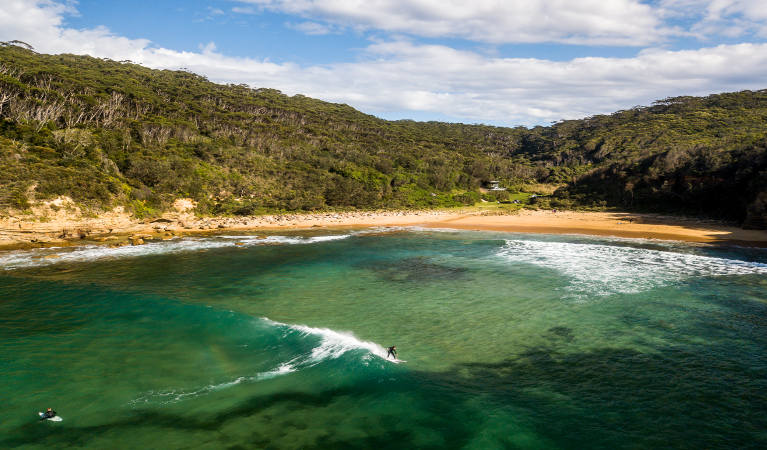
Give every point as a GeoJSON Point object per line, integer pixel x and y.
{"type": "Point", "coordinates": [392, 351]}
{"type": "Point", "coordinates": [48, 414]}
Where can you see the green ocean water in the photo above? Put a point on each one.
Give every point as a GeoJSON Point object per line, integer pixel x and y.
{"type": "Point", "coordinates": [510, 341]}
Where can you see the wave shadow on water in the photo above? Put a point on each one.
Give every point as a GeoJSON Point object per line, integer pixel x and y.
{"type": "Point", "coordinates": [680, 397]}
{"type": "Point", "coordinates": [251, 407]}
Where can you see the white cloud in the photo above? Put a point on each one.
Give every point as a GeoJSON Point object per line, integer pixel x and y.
{"type": "Point", "coordinates": [244, 10]}
{"type": "Point", "coordinates": [513, 90]}
{"type": "Point", "coordinates": [604, 22]}
{"type": "Point", "coordinates": [39, 22]}
{"type": "Point", "coordinates": [310, 28]}
{"type": "Point", "coordinates": [404, 76]}
{"type": "Point", "coordinates": [730, 18]}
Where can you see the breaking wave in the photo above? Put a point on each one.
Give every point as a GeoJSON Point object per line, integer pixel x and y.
{"type": "Point", "coordinates": [598, 270]}
{"type": "Point", "coordinates": [55, 255]}
{"type": "Point", "coordinates": [332, 345]}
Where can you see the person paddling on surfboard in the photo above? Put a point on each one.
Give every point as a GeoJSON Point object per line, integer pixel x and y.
{"type": "Point", "coordinates": [392, 351]}
{"type": "Point", "coordinates": [50, 413]}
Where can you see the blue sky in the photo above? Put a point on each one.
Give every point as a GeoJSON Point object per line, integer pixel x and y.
{"type": "Point", "coordinates": [266, 34]}
{"type": "Point", "coordinates": [187, 25]}
{"type": "Point", "coordinates": [487, 61]}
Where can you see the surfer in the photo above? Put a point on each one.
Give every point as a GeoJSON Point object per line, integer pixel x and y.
{"type": "Point", "coordinates": [49, 414]}
{"type": "Point", "coordinates": [392, 351]}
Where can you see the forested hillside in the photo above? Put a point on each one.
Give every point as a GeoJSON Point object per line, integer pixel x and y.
{"type": "Point", "coordinates": [105, 133]}
{"type": "Point", "coordinates": [110, 133]}
{"type": "Point", "coordinates": [701, 156]}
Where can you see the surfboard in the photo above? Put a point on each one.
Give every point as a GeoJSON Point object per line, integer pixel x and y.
{"type": "Point", "coordinates": [52, 419]}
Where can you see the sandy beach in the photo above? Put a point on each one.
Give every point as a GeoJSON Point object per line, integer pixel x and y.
{"type": "Point", "coordinates": [118, 228]}
{"type": "Point", "coordinates": [629, 225]}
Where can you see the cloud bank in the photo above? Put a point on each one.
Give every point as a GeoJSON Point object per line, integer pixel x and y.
{"type": "Point", "coordinates": [413, 79]}
{"type": "Point", "coordinates": [613, 22]}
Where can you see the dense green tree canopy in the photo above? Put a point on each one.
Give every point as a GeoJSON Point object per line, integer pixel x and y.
{"type": "Point", "coordinates": [110, 133]}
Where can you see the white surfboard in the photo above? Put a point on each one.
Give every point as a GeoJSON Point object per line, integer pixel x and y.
{"type": "Point", "coordinates": [52, 419]}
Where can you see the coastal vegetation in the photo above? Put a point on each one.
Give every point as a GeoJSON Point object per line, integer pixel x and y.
{"type": "Point", "coordinates": [108, 133]}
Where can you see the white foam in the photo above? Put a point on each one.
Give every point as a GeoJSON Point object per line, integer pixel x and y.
{"type": "Point", "coordinates": [45, 257]}
{"type": "Point", "coordinates": [174, 396]}
{"type": "Point", "coordinates": [177, 395]}
{"type": "Point", "coordinates": [597, 269]}
{"type": "Point", "coordinates": [332, 345]}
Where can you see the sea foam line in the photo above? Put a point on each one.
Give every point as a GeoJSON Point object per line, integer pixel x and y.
{"type": "Point", "coordinates": [45, 257]}
{"type": "Point", "coordinates": [176, 395]}
{"type": "Point", "coordinates": [597, 269]}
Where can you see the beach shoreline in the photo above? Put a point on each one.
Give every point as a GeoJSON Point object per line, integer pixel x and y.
{"type": "Point", "coordinates": [118, 229]}
{"type": "Point", "coordinates": [615, 224]}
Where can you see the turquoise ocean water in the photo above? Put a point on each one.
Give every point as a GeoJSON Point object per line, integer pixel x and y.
{"type": "Point", "coordinates": [510, 341]}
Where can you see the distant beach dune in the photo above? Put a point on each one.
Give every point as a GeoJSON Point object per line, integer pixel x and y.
{"type": "Point", "coordinates": [117, 228]}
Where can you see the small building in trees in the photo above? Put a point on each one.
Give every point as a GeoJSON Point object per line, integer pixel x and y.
{"type": "Point", "coordinates": [494, 186]}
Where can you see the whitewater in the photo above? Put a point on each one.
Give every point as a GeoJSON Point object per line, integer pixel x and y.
{"type": "Point", "coordinates": [56, 255]}
{"type": "Point", "coordinates": [601, 269]}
